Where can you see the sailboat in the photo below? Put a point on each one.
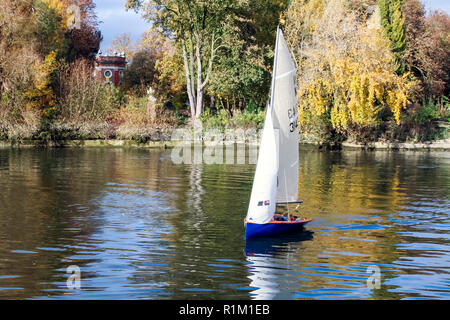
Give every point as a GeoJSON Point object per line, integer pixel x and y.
{"type": "Point", "coordinates": [276, 177]}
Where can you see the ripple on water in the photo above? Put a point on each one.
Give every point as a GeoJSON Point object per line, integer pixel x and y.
{"type": "Point", "coordinates": [139, 226]}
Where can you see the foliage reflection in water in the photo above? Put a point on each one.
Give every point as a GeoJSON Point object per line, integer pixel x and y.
{"type": "Point", "coordinates": [139, 226]}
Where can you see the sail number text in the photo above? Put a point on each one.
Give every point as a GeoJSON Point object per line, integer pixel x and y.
{"type": "Point", "coordinates": [293, 119]}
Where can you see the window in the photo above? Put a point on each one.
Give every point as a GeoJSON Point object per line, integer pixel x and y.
{"type": "Point", "coordinates": [107, 74]}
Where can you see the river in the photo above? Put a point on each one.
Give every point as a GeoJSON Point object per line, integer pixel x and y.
{"type": "Point", "coordinates": [129, 223]}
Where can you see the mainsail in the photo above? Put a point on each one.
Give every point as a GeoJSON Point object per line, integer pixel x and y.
{"type": "Point", "coordinates": [276, 178]}
{"type": "Point", "coordinates": [286, 121]}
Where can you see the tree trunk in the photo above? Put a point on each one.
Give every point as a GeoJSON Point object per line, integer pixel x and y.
{"type": "Point", "coordinates": [199, 107]}
{"type": "Point", "coordinates": [196, 88]}
{"type": "Point", "coordinates": [189, 85]}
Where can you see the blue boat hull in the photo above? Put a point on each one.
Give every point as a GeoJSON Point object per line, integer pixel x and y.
{"type": "Point", "coordinates": [254, 230]}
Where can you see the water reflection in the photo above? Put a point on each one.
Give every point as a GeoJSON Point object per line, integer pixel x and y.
{"type": "Point", "coordinates": [140, 226]}
{"type": "Point", "coordinates": [194, 197]}
{"type": "Point", "coordinates": [275, 245]}
{"type": "Point", "coordinates": [269, 268]}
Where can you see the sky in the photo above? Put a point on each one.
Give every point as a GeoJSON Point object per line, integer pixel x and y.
{"type": "Point", "coordinates": [116, 20]}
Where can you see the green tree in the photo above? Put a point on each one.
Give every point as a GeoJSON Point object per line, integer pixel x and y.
{"type": "Point", "coordinates": [226, 45]}
{"type": "Point", "coordinates": [49, 28]}
{"type": "Point", "coordinates": [241, 76]}
{"type": "Point", "coordinates": [393, 22]}
{"type": "Point", "coordinates": [197, 27]}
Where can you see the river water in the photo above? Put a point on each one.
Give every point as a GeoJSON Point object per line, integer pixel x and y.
{"type": "Point", "coordinates": [134, 225]}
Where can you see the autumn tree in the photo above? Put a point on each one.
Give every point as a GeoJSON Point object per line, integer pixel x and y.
{"type": "Point", "coordinates": [35, 39]}
{"type": "Point", "coordinates": [84, 42]}
{"type": "Point", "coordinates": [54, 32]}
{"type": "Point", "coordinates": [122, 43]}
{"type": "Point", "coordinates": [29, 50]}
{"type": "Point", "coordinates": [345, 66]}
{"type": "Point", "coordinates": [427, 54]}
{"type": "Point", "coordinates": [155, 65]}
{"type": "Point", "coordinates": [49, 26]}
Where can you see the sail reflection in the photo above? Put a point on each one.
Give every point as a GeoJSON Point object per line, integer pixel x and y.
{"type": "Point", "coordinates": [269, 267]}
{"type": "Point", "coordinates": [196, 189]}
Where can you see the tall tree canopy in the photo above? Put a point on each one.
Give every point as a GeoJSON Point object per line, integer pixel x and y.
{"type": "Point", "coordinates": [223, 44]}
{"type": "Point", "coordinates": [427, 55]}
{"type": "Point", "coordinates": [34, 39]}
{"type": "Point", "coordinates": [346, 70]}
{"type": "Point", "coordinates": [393, 20]}
{"type": "Point", "coordinates": [197, 27]}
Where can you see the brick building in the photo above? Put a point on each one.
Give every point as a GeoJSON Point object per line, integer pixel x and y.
{"type": "Point", "coordinates": [110, 68]}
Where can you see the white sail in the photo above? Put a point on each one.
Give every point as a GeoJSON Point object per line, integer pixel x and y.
{"type": "Point", "coordinates": [263, 197]}
{"type": "Point", "coordinates": [276, 175]}
{"type": "Point", "coordinates": [285, 119]}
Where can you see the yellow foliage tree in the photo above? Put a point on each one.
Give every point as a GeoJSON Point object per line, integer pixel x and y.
{"type": "Point", "coordinates": [41, 95]}
{"type": "Point", "coordinates": [56, 5]}
{"type": "Point", "coordinates": [345, 64]}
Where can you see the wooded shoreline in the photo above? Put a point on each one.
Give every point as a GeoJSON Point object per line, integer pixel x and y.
{"type": "Point", "coordinates": [372, 70]}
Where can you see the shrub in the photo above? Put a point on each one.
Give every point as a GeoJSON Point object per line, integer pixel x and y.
{"type": "Point", "coordinates": [142, 120]}
{"type": "Point", "coordinates": [238, 119]}
{"type": "Point", "coordinates": [82, 98]}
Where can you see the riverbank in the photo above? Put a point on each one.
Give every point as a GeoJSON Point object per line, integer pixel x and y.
{"type": "Point", "coordinates": [436, 145]}
{"type": "Point", "coordinates": [439, 145]}
{"type": "Point", "coordinates": [88, 143]}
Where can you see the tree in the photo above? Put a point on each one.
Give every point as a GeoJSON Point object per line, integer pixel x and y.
{"type": "Point", "coordinates": [167, 81]}
{"type": "Point", "coordinates": [28, 59]}
{"type": "Point", "coordinates": [438, 29]}
{"type": "Point", "coordinates": [54, 34]}
{"type": "Point", "coordinates": [122, 44]}
{"type": "Point", "coordinates": [392, 20]}
{"type": "Point", "coordinates": [49, 27]}
{"type": "Point", "coordinates": [346, 69]}
{"type": "Point", "coordinates": [156, 66]}
{"type": "Point", "coordinates": [427, 55]}
{"type": "Point", "coordinates": [84, 42]}
{"type": "Point", "coordinates": [241, 76]}
{"type": "Point", "coordinates": [41, 94]}
{"type": "Point", "coordinates": [227, 46]}
{"type": "Point", "coordinates": [34, 41]}
{"type": "Point", "coordinates": [196, 26]}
